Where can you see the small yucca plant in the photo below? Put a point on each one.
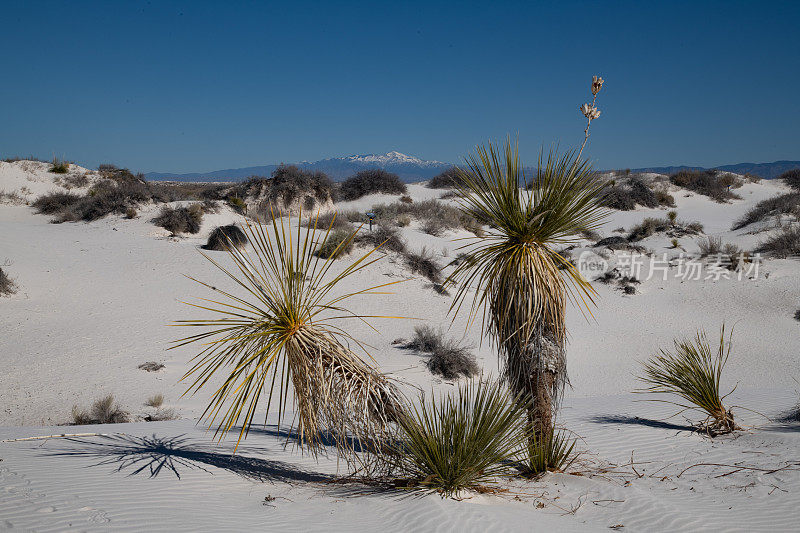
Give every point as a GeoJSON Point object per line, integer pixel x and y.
{"type": "Point", "coordinates": [693, 372]}
{"type": "Point", "coordinates": [461, 441]}
{"type": "Point", "coordinates": [278, 330]}
{"type": "Point", "coordinates": [552, 452]}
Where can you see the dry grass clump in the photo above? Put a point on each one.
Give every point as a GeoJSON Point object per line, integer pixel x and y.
{"type": "Point", "coordinates": [7, 287]}
{"type": "Point", "coordinates": [551, 452]}
{"type": "Point", "coordinates": [791, 178]}
{"type": "Point", "coordinates": [180, 219]}
{"type": "Point", "coordinates": [693, 373]}
{"type": "Point", "coordinates": [710, 246]}
{"type": "Point", "coordinates": [784, 243]}
{"type": "Point", "coordinates": [224, 237]}
{"type": "Point", "coordinates": [387, 237]}
{"type": "Point", "coordinates": [670, 225]}
{"type": "Point", "coordinates": [712, 183]}
{"type": "Point", "coordinates": [446, 179]}
{"type": "Point", "coordinates": [49, 204]}
{"type": "Point", "coordinates": [369, 182]}
{"type": "Point", "coordinates": [161, 415]}
{"type": "Point", "coordinates": [460, 441]}
{"type": "Point", "coordinates": [151, 366]}
{"type": "Point", "coordinates": [436, 216]}
{"type": "Point", "coordinates": [339, 243]}
{"type": "Point", "coordinates": [337, 219]}
{"type": "Point", "coordinates": [277, 331]}
{"type": "Point", "coordinates": [626, 196]}
{"type": "Point", "coordinates": [423, 263]}
{"type": "Point", "coordinates": [448, 358]}
{"type": "Point", "coordinates": [157, 400]}
{"type": "Point", "coordinates": [103, 411]}
{"type": "Point", "coordinates": [785, 204]}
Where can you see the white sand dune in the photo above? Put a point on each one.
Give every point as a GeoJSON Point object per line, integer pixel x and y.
{"type": "Point", "coordinates": [95, 301]}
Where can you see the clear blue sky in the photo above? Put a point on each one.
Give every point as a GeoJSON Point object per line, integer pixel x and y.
{"type": "Point", "coordinates": [197, 86]}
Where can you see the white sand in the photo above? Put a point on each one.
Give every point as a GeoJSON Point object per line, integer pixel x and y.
{"type": "Point", "coordinates": [95, 301]}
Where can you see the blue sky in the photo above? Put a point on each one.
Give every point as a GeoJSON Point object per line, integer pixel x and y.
{"type": "Point", "coordinates": [197, 86]}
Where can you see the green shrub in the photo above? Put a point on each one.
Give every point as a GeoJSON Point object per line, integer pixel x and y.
{"type": "Point", "coordinates": [59, 167]}
{"type": "Point", "coordinates": [552, 452]}
{"type": "Point", "coordinates": [464, 440]}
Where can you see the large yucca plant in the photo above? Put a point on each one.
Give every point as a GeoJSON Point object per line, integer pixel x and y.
{"type": "Point", "coordinates": [518, 279]}
{"type": "Point", "coordinates": [279, 330]}
{"type": "Point", "coordinates": [693, 372]}
{"type": "Point", "coordinates": [460, 440]}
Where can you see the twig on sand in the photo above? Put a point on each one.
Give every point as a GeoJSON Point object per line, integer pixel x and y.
{"type": "Point", "coordinates": [739, 468]}
{"type": "Point", "coordinates": [63, 436]}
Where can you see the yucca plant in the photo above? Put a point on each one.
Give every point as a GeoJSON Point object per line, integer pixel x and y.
{"type": "Point", "coordinates": [461, 441]}
{"type": "Point", "coordinates": [693, 372]}
{"type": "Point", "coordinates": [552, 452]}
{"type": "Point", "coordinates": [279, 330]}
{"type": "Point", "coordinates": [518, 279]}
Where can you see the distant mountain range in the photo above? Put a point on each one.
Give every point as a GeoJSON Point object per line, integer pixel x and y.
{"type": "Point", "coordinates": [411, 168]}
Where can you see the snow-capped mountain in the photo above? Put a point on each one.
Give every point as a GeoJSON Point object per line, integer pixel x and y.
{"type": "Point", "coordinates": [408, 167]}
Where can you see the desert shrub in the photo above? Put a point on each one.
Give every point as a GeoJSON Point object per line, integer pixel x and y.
{"type": "Point", "coordinates": [693, 373]}
{"type": "Point", "coordinates": [70, 181]}
{"type": "Point", "coordinates": [672, 217]}
{"type": "Point", "coordinates": [130, 213]}
{"type": "Point", "coordinates": [103, 411]}
{"type": "Point", "coordinates": [710, 245]}
{"type": "Point", "coordinates": [224, 237]}
{"type": "Point", "coordinates": [115, 194]}
{"type": "Point", "coordinates": [433, 227]}
{"type": "Point", "coordinates": [54, 202]}
{"type": "Point", "coordinates": [709, 183]}
{"type": "Point", "coordinates": [590, 235]}
{"type": "Point", "coordinates": [180, 219]}
{"type": "Point", "coordinates": [665, 198]}
{"type": "Point", "coordinates": [338, 244]}
{"type": "Point", "coordinates": [642, 194]}
{"type": "Point", "coordinates": [333, 220]}
{"type": "Point", "coordinates": [628, 289]}
{"type": "Point", "coordinates": [784, 243]}
{"type": "Point", "coordinates": [451, 360]}
{"type": "Point", "coordinates": [649, 226]}
{"type": "Point", "coordinates": [791, 178]}
{"type": "Point", "coordinates": [626, 196]}
{"type": "Point", "coordinates": [7, 286]}
{"type": "Point", "coordinates": [59, 167]}
{"type": "Point", "coordinates": [618, 198]}
{"type": "Point", "coordinates": [551, 452]}
{"type": "Point", "coordinates": [423, 263]}
{"type": "Point", "coordinates": [406, 199]}
{"type": "Point", "coordinates": [387, 237]}
{"type": "Point", "coordinates": [463, 440]}
{"type": "Point", "coordinates": [371, 181]}
{"type": "Point", "coordinates": [287, 184]}
{"type": "Point", "coordinates": [446, 179]}
{"type": "Point", "coordinates": [674, 243]}
{"type": "Point", "coordinates": [151, 366]}
{"type": "Point", "coordinates": [425, 339]}
{"type": "Point", "coordinates": [784, 204]}
{"type": "Point", "coordinates": [695, 227]}
{"type": "Point", "coordinates": [797, 315]}
{"type": "Point", "coordinates": [156, 401]}
{"type": "Point", "coordinates": [160, 415]}
{"type": "Point", "coordinates": [403, 221]}
{"type": "Point", "coordinates": [441, 216]}
{"type": "Point", "coordinates": [237, 204]}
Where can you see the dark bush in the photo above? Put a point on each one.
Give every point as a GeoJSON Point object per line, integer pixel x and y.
{"type": "Point", "coordinates": [716, 185]}
{"type": "Point", "coordinates": [791, 178]}
{"type": "Point", "coordinates": [59, 167]}
{"type": "Point", "coordinates": [54, 202]}
{"type": "Point", "coordinates": [649, 226]}
{"type": "Point", "coordinates": [180, 219]}
{"type": "Point", "coordinates": [452, 361]}
{"type": "Point", "coordinates": [287, 184]}
{"type": "Point", "coordinates": [425, 339]}
{"type": "Point", "coordinates": [446, 179]}
{"type": "Point", "coordinates": [782, 244]}
{"type": "Point", "coordinates": [387, 237]}
{"type": "Point", "coordinates": [7, 286]}
{"type": "Point", "coordinates": [225, 237]}
{"type": "Point", "coordinates": [625, 196]}
{"type": "Point", "coordinates": [151, 366]}
{"type": "Point", "coordinates": [338, 243]}
{"type": "Point", "coordinates": [784, 204]}
{"type": "Point", "coordinates": [369, 182]}
{"type": "Point", "coordinates": [423, 263]}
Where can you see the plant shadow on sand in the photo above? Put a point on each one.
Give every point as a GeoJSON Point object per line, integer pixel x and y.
{"type": "Point", "coordinates": [637, 421]}
{"type": "Point", "coordinates": [154, 455]}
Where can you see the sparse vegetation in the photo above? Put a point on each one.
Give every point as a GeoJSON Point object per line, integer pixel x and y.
{"type": "Point", "coordinates": [7, 286]}
{"type": "Point", "coordinates": [693, 373]}
{"type": "Point", "coordinates": [289, 186]}
{"type": "Point", "coordinates": [151, 366]}
{"type": "Point", "coordinates": [650, 226]}
{"type": "Point", "coordinates": [785, 204]}
{"type": "Point", "coordinates": [59, 167]}
{"type": "Point", "coordinates": [180, 219]}
{"type": "Point", "coordinates": [712, 183]}
{"type": "Point", "coordinates": [633, 191]}
{"type": "Point", "coordinates": [157, 400]}
{"type": "Point", "coordinates": [448, 358]}
{"type": "Point", "coordinates": [462, 441]}
{"type": "Point", "coordinates": [224, 237]}
{"type": "Point", "coordinates": [337, 244]}
{"type": "Point", "coordinates": [783, 243]}
{"type": "Point", "coordinates": [791, 178]}
{"type": "Point", "coordinates": [103, 411]}
{"type": "Point", "coordinates": [423, 263]}
{"type": "Point", "coordinates": [49, 204]}
{"type": "Point", "coordinates": [710, 246]}
{"type": "Point", "coordinates": [436, 216]}
{"type": "Point", "coordinates": [387, 237]}
{"type": "Point", "coordinates": [369, 182]}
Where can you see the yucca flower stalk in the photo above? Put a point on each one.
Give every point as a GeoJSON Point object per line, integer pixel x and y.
{"type": "Point", "coordinates": [280, 329]}
{"type": "Point", "coordinates": [693, 372]}
{"type": "Point", "coordinates": [520, 282]}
